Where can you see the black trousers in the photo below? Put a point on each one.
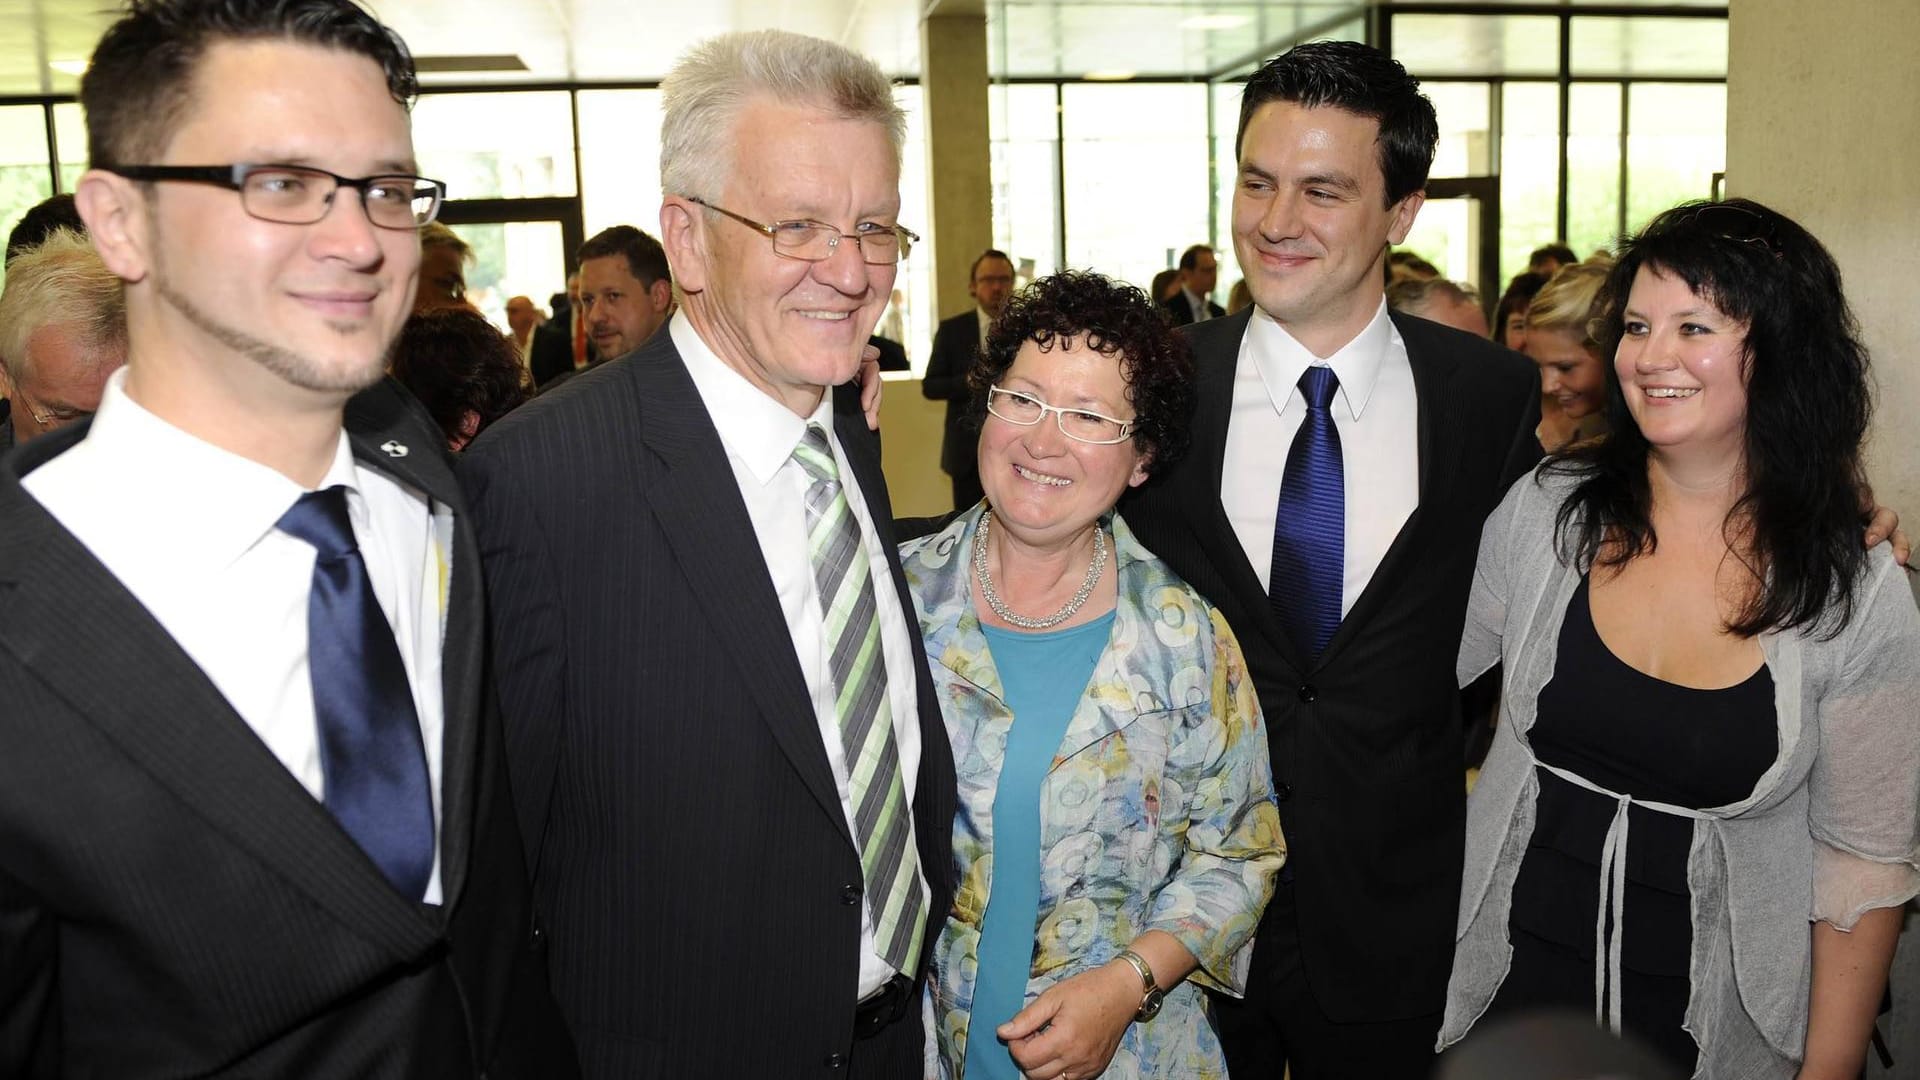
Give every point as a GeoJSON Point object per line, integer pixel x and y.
{"type": "Point", "coordinates": [1279, 1025]}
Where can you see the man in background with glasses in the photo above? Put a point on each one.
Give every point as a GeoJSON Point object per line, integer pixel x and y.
{"type": "Point", "coordinates": [63, 331]}
{"type": "Point", "coordinates": [255, 810]}
{"type": "Point", "coordinates": [734, 784]}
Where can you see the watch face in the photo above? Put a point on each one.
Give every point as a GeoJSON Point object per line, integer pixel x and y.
{"type": "Point", "coordinates": [1151, 1006]}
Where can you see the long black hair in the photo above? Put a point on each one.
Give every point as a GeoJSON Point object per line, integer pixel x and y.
{"type": "Point", "coordinates": [1798, 523]}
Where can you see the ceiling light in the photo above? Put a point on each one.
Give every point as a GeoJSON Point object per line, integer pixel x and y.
{"type": "Point", "coordinates": [69, 67]}
{"type": "Point", "coordinates": [1109, 76]}
{"type": "Point", "coordinates": [1215, 22]}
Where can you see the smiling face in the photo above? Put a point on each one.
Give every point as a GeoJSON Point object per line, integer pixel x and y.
{"type": "Point", "coordinates": [313, 307]}
{"type": "Point", "coordinates": [1682, 367]}
{"type": "Point", "coordinates": [1047, 489]}
{"type": "Point", "coordinates": [1571, 375]}
{"type": "Point", "coordinates": [791, 327]}
{"type": "Point", "coordinates": [1310, 220]}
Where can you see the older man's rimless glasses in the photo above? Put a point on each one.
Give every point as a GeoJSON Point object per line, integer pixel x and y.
{"type": "Point", "coordinates": [816, 241]}
{"type": "Point", "coordinates": [298, 195]}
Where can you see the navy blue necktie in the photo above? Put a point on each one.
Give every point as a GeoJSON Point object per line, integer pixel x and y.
{"type": "Point", "coordinates": [370, 748]}
{"type": "Point", "coordinates": [1310, 530]}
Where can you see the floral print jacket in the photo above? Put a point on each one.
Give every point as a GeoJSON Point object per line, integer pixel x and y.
{"type": "Point", "coordinates": [1156, 814]}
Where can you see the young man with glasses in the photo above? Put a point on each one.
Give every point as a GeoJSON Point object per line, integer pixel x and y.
{"type": "Point", "coordinates": [256, 813]}
{"type": "Point", "coordinates": [733, 781]}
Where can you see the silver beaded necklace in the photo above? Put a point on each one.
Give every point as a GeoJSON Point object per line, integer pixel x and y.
{"type": "Point", "coordinates": [1000, 607]}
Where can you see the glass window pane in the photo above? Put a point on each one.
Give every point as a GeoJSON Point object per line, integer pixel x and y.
{"type": "Point", "coordinates": [914, 283]}
{"type": "Point", "coordinates": [487, 146]}
{"type": "Point", "coordinates": [1226, 124]}
{"type": "Point", "coordinates": [1136, 176]}
{"type": "Point", "coordinates": [1466, 141]}
{"type": "Point", "coordinates": [1529, 171]}
{"type": "Point", "coordinates": [1477, 44]}
{"type": "Point", "coordinates": [24, 177]}
{"type": "Point", "coordinates": [1648, 46]}
{"type": "Point", "coordinates": [1026, 177]}
{"type": "Point", "coordinates": [514, 258]}
{"type": "Point", "coordinates": [620, 159]}
{"type": "Point", "coordinates": [1593, 166]}
{"type": "Point", "coordinates": [70, 128]}
{"type": "Point", "coordinates": [1676, 141]}
{"type": "Point", "coordinates": [1447, 234]}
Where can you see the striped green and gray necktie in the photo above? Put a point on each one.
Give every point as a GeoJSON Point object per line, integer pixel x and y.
{"type": "Point", "coordinates": [852, 630]}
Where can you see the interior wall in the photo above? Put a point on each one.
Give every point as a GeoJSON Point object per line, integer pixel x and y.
{"type": "Point", "coordinates": [1823, 123]}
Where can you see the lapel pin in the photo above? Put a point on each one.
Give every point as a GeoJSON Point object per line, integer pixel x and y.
{"type": "Point", "coordinates": [394, 449]}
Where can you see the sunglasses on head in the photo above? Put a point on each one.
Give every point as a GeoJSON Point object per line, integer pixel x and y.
{"type": "Point", "coordinates": [1735, 223]}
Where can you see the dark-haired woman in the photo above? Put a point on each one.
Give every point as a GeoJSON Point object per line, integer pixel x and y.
{"type": "Point", "coordinates": [1700, 818]}
{"type": "Point", "coordinates": [1117, 836]}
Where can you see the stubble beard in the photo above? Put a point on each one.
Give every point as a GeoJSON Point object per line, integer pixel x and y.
{"type": "Point", "coordinates": [292, 367]}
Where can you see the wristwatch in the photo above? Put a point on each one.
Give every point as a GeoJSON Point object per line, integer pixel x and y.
{"type": "Point", "coordinates": [1151, 994]}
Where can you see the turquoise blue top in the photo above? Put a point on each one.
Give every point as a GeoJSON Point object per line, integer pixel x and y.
{"type": "Point", "coordinates": [1044, 674]}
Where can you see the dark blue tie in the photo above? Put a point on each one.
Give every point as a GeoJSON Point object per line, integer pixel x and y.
{"type": "Point", "coordinates": [1310, 530]}
{"type": "Point", "coordinates": [370, 749]}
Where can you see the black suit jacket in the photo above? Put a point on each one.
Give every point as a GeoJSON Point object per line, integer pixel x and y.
{"type": "Point", "coordinates": [1180, 313]}
{"type": "Point", "coordinates": [174, 903]}
{"type": "Point", "coordinates": [701, 881]}
{"type": "Point", "coordinates": [1366, 742]}
{"type": "Point", "coordinates": [552, 352]}
{"type": "Point", "coordinates": [956, 344]}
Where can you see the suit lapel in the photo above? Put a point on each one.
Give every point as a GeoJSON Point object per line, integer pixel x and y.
{"type": "Point", "coordinates": [96, 648]}
{"type": "Point", "coordinates": [1217, 357]}
{"type": "Point", "coordinates": [695, 499]}
{"type": "Point", "coordinates": [387, 436]}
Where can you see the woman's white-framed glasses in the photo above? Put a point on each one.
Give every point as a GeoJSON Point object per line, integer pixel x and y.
{"type": "Point", "coordinates": [1079, 425]}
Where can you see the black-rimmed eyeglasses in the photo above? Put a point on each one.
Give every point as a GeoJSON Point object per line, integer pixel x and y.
{"type": "Point", "coordinates": [816, 241]}
{"type": "Point", "coordinates": [298, 195]}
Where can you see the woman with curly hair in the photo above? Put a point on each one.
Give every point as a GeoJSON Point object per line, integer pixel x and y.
{"type": "Point", "coordinates": [1700, 816]}
{"type": "Point", "coordinates": [1117, 837]}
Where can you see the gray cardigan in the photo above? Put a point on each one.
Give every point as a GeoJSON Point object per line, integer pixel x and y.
{"type": "Point", "coordinates": [1831, 830]}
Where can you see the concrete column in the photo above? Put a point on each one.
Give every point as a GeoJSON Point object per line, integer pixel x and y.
{"type": "Point", "coordinates": [953, 78]}
{"type": "Point", "coordinates": [1823, 124]}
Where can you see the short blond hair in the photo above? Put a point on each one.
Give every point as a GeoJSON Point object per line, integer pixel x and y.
{"type": "Point", "coordinates": [703, 95]}
{"type": "Point", "coordinates": [61, 281]}
{"type": "Point", "coordinates": [434, 234]}
{"type": "Point", "coordinates": [1568, 300]}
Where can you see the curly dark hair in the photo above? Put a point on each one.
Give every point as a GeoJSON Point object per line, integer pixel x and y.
{"type": "Point", "coordinates": [459, 365]}
{"type": "Point", "coordinates": [140, 82]}
{"type": "Point", "coordinates": [1808, 401]}
{"type": "Point", "coordinates": [1117, 319]}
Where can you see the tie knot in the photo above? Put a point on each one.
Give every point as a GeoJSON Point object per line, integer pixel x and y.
{"type": "Point", "coordinates": [320, 518]}
{"type": "Point", "coordinates": [1317, 385]}
{"type": "Point", "coordinates": [816, 457]}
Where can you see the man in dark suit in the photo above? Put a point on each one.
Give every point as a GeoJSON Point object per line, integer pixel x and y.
{"type": "Point", "coordinates": [1343, 461]}
{"type": "Point", "coordinates": [255, 804]}
{"type": "Point", "coordinates": [560, 344]}
{"type": "Point", "coordinates": [956, 343]}
{"type": "Point", "coordinates": [702, 622]}
{"type": "Point", "coordinates": [1199, 273]}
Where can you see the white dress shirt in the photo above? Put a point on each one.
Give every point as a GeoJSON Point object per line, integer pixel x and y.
{"type": "Point", "coordinates": [1196, 304]}
{"type": "Point", "coordinates": [760, 435]}
{"type": "Point", "coordinates": [188, 529]}
{"type": "Point", "coordinates": [1377, 415]}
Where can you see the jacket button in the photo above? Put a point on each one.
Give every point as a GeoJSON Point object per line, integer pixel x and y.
{"type": "Point", "coordinates": [849, 894]}
{"type": "Point", "coordinates": [1282, 791]}
{"type": "Point", "coordinates": [1308, 693]}
{"type": "Point", "coordinates": [538, 936]}
{"type": "Point", "coordinates": [835, 1061]}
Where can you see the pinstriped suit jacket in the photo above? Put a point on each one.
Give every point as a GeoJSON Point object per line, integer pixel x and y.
{"type": "Point", "coordinates": [687, 837]}
{"type": "Point", "coordinates": [174, 903]}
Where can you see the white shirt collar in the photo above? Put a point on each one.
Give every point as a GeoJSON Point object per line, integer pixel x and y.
{"type": "Point", "coordinates": [1282, 359]}
{"type": "Point", "coordinates": [754, 427]}
{"type": "Point", "coordinates": [222, 503]}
